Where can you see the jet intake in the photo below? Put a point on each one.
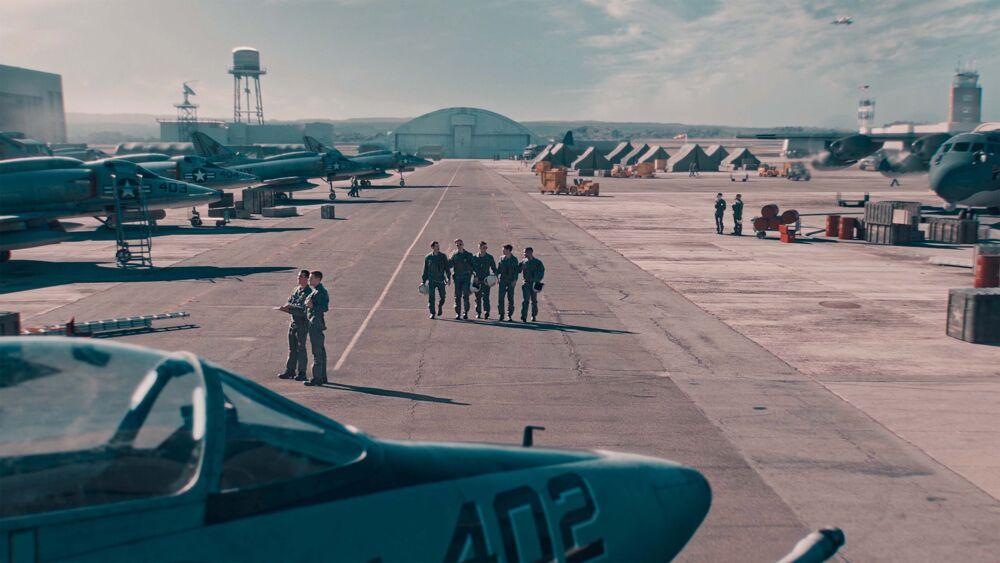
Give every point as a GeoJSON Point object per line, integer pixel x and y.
{"type": "Point", "coordinates": [853, 148]}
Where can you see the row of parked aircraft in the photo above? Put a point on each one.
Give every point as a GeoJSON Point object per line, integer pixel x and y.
{"type": "Point", "coordinates": [38, 192]}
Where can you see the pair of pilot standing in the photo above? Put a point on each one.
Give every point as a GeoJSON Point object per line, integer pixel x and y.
{"type": "Point", "coordinates": [307, 306]}
{"type": "Point", "coordinates": [463, 267]}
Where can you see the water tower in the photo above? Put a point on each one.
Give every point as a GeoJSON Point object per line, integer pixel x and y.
{"type": "Point", "coordinates": [246, 73]}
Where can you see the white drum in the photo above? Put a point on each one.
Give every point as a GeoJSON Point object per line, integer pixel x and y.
{"type": "Point", "coordinates": [491, 280]}
{"type": "Point", "coordinates": [422, 288]}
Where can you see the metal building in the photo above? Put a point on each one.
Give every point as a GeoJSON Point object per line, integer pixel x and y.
{"type": "Point", "coordinates": [461, 133]}
{"type": "Point", "coordinates": [31, 102]}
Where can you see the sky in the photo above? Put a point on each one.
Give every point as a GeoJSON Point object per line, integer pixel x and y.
{"type": "Point", "coordinates": [746, 63]}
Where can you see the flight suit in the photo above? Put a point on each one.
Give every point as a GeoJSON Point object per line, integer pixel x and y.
{"type": "Point", "coordinates": [298, 331]}
{"type": "Point", "coordinates": [533, 271]}
{"type": "Point", "coordinates": [738, 217]}
{"type": "Point", "coordinates": [436, 271]}
{"type": "Point", "coordinates": [483, 266]}
{"type": "Point", "coordinates": [461, 274]}
{"type": "Point", "coordinates": [720, 211]}
{"type": "Point", "coordinates": [507, 271]}
{"type": "Point", "coordinates": [316, 312]}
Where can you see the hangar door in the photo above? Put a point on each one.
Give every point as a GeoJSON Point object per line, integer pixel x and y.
{"type": "Point", "coordinates": [462, 125]}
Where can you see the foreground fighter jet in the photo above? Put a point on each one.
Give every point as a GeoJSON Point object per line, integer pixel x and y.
{"type": "Point", "coordinates": [966, 169]}
{"type": "Point", "coordinates": [378, 162]}
{"type": "Point", "coordinates": [38, 192]}
{"type": "Point", "coordinates": [144, 455]}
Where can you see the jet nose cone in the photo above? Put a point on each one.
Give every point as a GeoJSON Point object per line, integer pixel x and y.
{"type": "Point", "coordinates": [202, 194]}
{"type": "Point", "coordinates": [952, 176]}
{"type": "Point", "coordinates": [684, 496]}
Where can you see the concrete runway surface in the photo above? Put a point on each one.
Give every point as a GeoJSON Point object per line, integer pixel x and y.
{"type": "Point", "coordinates": [618, 360]}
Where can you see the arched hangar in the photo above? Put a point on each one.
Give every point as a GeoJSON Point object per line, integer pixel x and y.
{"type": "Point", "coordinates": [461, 133]}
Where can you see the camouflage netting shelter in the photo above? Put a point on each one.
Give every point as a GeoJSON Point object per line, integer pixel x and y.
{"type": "Point", "coordinates": [741, 158]}
{"type": "Point", "coordinates": [691, 154]}
{"type": "Point", "coordinates": [717, 153]}
{"type": "Point", "coordinates": [591, 159]}
{"type": "Point", "coordinates": [633, 156]}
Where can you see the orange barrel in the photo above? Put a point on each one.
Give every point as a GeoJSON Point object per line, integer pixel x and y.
{"type": "Point", "coordinates": [847, 225]}
{"type": "Point", "coordinates": [986, 272]}
{"type": "Point", "coordinates": [789, 217]}
{"type": "Point", "coordinates": [769, 211]}
{"type": "Point", "coordinates": [759, 224]}
{"type": "Point", "coordinates": [832, 225]}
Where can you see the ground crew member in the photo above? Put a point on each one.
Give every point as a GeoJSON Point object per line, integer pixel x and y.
{"type": "Point", "coordinates": [720, 211]}
{"type": "Point", "coordinates": [738, 215]}
{"type": "Point", "coordinates": [894, 182]}
{"type": "Point", "coordinates": [483, 264]}
{"type": "Point", "coordinates": [533, 271]}
{"type": "Point", "coordinates": [436, 274]}
{"type": "Point", "coordinates": [317, 304]}
{"type": "Point", "coordinates": [507, 271]}
{"type": "Point", "coordinates": [461, 268]}
{"type": "Point", "coordinates": [298, 330]}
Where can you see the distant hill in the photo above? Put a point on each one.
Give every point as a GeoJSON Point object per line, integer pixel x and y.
{"type": "Point", "coordinates": [115, 128]}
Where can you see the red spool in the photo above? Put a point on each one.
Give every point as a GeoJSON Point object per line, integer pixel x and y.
{"type": "Point", "coordinates": [759, 224]}
{"type": "Point", "coordinates": [847, 226]}
{"type": "Point", "coordinates": [769, 211]}
{"type": "Point", "coordinates": [789, 217]}
{"type": "Point", "coordinates": [986, 272]}
{"type": "Point", "coordinates": [832, 225]}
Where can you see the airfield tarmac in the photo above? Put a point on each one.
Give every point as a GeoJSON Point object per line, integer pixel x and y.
{"type": "Point", "coordinates": [812, 383]}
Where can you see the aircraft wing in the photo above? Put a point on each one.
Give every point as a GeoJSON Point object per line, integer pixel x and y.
{"type": "Point", "coordinates": [374, 175]}
{"type": "Point", "coordinates": [27, 230]}
{"type": "Point", "coordinates": [830, 137]}
{"type": "Point", "coordinates": [288, 184]}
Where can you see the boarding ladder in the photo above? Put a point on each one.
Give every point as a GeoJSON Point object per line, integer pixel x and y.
{"type": "Point", "coordinates": [133, 225]}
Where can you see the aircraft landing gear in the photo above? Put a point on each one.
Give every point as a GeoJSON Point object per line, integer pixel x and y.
{"type": "Point", "coordinates": [333, 195]}
{"type": "Point", "coordinates": [194, 218]}
{"type": "Point", "coordinates": [402, 183]}
{"type": "Point", "coordinates": [123, 256]}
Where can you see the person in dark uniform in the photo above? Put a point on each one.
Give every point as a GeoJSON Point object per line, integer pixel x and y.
{"type": "Point", "coordinates": [720, 212]}
{"type": "Point", "coordinates": [532, 271]}
{"type": "Point", "coordinates": [507, 271]}
{"type": "Point", "coordinates": [437, 273]}
{"type": "Point", "coordinates": [738, 215]}
{"type": "Point", "coordinates": [461, 271]}
{"type": "Point", "coordinates": [317, 304]}
{"type": "Point", "coordinates": [483, 264]}
{"type": "Point", "coordinates": [298, 330]}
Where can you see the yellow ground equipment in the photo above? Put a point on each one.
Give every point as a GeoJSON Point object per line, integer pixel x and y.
{"type": "Point", "coordinates": [554, 181]}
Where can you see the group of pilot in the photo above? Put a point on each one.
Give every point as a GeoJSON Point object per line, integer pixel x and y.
{"type": "Point", "coordinates": [720, 212]}
{"type": "Point", "coordinates": [307, 306]}
{"type": "Point", "coordinates": [475, 273]}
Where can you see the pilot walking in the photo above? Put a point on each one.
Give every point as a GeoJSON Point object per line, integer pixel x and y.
{"type": "Point", "coordinates": [720, 212]}
{"type": "Point", "coordinates": [436, 274]}
{"type": "Point", "coordinates": [461, 272]}
{"type": "Point", "coordinates": [317, 304]}
{"type": "Point", "coordinates": [533, 271]}
{"type": "Point", "coordinates": [483, 264]}
{"type": "Point", "coordinates": [738, 215]}
{"type": "Point", "coordinates": [508, 270]}
{"type": "Point", "coordinates": [298, 330]}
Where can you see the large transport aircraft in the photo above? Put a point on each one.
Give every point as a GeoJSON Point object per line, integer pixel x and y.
{"type": "Point", "coordinates": [38, 192]}
{"type": "Point", "coordinates": [966, 169]}
{"type": "Point", "coordinates": [153, 456]}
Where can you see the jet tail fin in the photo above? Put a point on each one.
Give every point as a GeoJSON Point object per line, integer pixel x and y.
{"type": "Point", "coordinates": [568, 138]}
{"type": "Point", "coordinates": [314, 145]}
{"type": "Point", "coordinates": [210, 148]}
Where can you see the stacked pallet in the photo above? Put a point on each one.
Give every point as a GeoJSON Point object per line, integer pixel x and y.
{"type": "Point", "coordinates": [952, 230]}
{"type": "Point", "coordinates": [974, 315]}
{"type": "Point", "coordinates": [891, 222]}
{"type": "Point", "coordinates": [256, 199]}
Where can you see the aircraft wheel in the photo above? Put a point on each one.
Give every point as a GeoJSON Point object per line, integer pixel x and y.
{"type": "Point", "coordinates": [333, 196]}
{"type": "Point", "coordinates": [280, 196]}
{"type": "Point", "coordinates": [195, 222]}
{"type": "Point", "coordinates": [761, 234]}
{"type": "Point", "coordinates": [402, 183]}
{"type": "Point", "coordinates": [123, 256]}
{"type": "Point", "coordinates": [220, 223]}
{"type": "Point", "coordinates": [4, 255]}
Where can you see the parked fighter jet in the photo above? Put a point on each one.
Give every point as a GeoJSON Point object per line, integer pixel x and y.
{"type": "Point", "coordinates": [14, 144]}
{"type": "Point", "coordinates": [195, 169]}
{"type": "Point", "coordinates": [38, 192]}
{"type": "Point", "coordinates": [844, 151]}
{"type": "Point", "coordinates": [379, 162]}
{"type": "Point", "coordinates": [152, 456]}
{"type": "Point", "coordinates": [85, 154]}
{"type": "Point", "coordinates": [966, 169]}
{"type": "Point", "coordinates": [285, 173]}
{"type": "Point", "coordinates": [843, 20]}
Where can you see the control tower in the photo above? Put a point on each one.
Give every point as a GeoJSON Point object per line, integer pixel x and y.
{"type": "Point", "coordinates": [966, 101]}
{"type": "Point", "coordinates": [246, 71]}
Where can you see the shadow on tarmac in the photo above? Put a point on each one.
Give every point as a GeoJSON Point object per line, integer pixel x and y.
{"type": "Point", "coordinates": [169, 230]}
{"type": "Point", "coordinates": [145, 330]}
{"type": "Point", "coordinates": [392, 393]}
{"type": "Point", "coordinates": [546, 327]}
{"type": "Point", "coordinates": [340, 201]}
{"type": "Point", "coordinates": [22, 275]}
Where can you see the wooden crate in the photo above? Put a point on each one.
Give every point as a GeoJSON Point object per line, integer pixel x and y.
{"type": "Point", "coordinates": [974, 315]}
{"type": "Point", "coordinates": [888, 234]}
{"type": "Point", "coordinates": [644, 170]}
{"type": "Point", "coordinates": [952, 230]}
{"type": "Point", "coordinates": [279, 212]}
{"type": "Point", "coordinates": [881, 212]}
{"type": "Point", "coordinates": [327, 212]}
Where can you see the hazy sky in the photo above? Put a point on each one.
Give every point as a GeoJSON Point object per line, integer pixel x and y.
{"type": "Point", "coordinates": [753, 62]}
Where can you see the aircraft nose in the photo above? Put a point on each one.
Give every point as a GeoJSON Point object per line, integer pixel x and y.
{"type": "Point", "coordinates": [684, 497]}
{"type": "Point", "coordinates": [202, 194]}
{"type": "Point", "coordinates": [950, 175]}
